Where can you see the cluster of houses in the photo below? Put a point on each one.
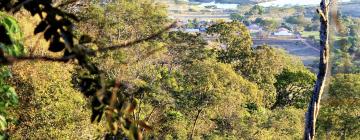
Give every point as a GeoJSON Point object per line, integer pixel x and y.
{"type": "Point", "coordinates": [198, 26]}
{"type": "Point", "coordinates": [255, 30]}
{"type": "Point", "coordinates": [258, 31]}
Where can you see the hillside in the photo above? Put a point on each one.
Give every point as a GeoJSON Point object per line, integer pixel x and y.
{"type": "Point", "coordinates": [178, 70]}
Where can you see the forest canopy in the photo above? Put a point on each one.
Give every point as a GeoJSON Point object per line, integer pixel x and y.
{"type": "Point", "coordinates": [123, 69]}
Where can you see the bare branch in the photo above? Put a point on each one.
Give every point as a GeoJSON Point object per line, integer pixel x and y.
{"type": "Point", "coordinates": [66, 3]}
{"type": "Point", "coordinates": [128, 44]}
{"type": "Point", "coordinates": [11, 60]}
{"type": "Point", "coordinates": [18, 6]}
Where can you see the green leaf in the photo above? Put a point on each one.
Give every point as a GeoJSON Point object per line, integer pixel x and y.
{"type": "Point", "coordinates": [13, 32]}
{"type": "Point", "coordinates": [3, 123]}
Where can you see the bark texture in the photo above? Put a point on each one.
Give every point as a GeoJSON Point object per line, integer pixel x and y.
{"type": "Point", "coordinates": [314, 106]}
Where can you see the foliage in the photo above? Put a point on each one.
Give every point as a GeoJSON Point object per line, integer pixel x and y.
{"type": "Point", "coordinates": [11, 39]}
{"type": "Point", "coordinates": [57, 27]}
{"type": "Point", "coordinates": [49, 105]}
{"type": "Point", "coordinates": [260, 64]}
{"type": "Point", "coordinates": [264, 65]}
{"type": "Point", "coordinates": [236, 17]}
{"type": "Point", "coordinates": [255, 10]}
{"type": "Point", "coordinates": [213, 92]}
{"type": "Point", "coordinates": [340, 115]}
{"type": "Point", "coordinates": [10, 44]}
{"type": "Point", "coordinates": [354, 30]}
{"type": "Point", "coordinates": [107, 24]}
{"type": "Point", "coordinates": [8, 99]}
{"type": "Point", "coordinates": [210, 80]}
{"type": "Point", "coordinates": [269, 24]}
{"type": "Point", "coordinates": [294, 88]}
{"type": "Point", "coordinates": [186, 48]}
{"type": "Point", "coordinates": [183, 85]}
{"type": "Point", "coordinates": [298, 20]}
{"type": "Point", "coordinates": [346, 47]}
{"type": "Point", "coordinates": [237, 39]}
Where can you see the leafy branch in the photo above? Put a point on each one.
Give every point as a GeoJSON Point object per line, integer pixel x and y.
{"type": "Point", "coordinates": [107, 97]}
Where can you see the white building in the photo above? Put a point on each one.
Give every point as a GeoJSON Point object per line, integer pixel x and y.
{"type": "Point", "coordinates": [283, 32]}
{"type": "Point", "coordinates": [192, 30]}
{"type": "Point", "coordinates": [253, 28]}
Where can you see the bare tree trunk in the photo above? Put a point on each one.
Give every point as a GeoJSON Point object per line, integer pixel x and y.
{"type": "Point", "coordinates": [314, 106]}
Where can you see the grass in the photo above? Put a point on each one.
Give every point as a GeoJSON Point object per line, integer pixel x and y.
{"type": "Point", "coordinates": [307, 34]}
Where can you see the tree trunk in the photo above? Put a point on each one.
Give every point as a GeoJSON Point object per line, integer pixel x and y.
{"type": "Point", "coordinates": [314, 106]}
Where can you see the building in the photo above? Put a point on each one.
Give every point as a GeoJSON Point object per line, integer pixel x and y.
{"type": "Point", "coordinates": [283, 32]}
{"type": "Point", "coordinates": [253, 28]}
{"type": "Point", "coordinates": [191, 30]}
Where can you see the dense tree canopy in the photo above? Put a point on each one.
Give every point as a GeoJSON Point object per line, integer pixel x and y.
{"type": "Point", "coordinates": [112, 70]}
{"type": "Point", "coordinates": [340, 116]}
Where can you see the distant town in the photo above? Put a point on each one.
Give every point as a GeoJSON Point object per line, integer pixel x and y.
{"type": "Point", "coordinates": [293, 28]}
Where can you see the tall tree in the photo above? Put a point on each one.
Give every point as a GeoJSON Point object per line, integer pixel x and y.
{"type": "Point", "coordinates": [314, 106]}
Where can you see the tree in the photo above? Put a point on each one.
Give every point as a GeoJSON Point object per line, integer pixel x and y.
{"type": "Point", "coordinates": [293, 88]}
{"type": "Point", "coordinates": [236, 17]}
{"type": "Point", "coordinates": [269, 24]}
{"type": "Point", "coordinates": [314, 106]}
{"type": "Point", "coordinates": [339, 116]}
{"type": "Point", "coordinates": [108, 25]}
{"type": "Point", "coordinates": [343, 56]}
{"type": "Point", "coordinates": [259, 65]}
{"type": "Point", "coordinates": [11, 44]}
{"type": "Point", "coordinates": [237, 39]}
{"type": "Point", "coordinates": [354, 30]}
{"type": "Point", "coordinates": [355, 45]}
{"type": "Point", "coordinates": [255, 10]}
{"type": "Point", "coordinates": [182, 86]}
{"type": "Point", "coordinates": [264, 65]}
{"type": "Point", "coordinates": [258, 20]}
{"type": "Point", "coordinates": [215, 93]}
{"type": "Point", "coordinates": [185, 48]}
{"type": "Point", "coordinates": [106, 98]}
{"type": "Point", "coordinates": [299, 20]}
{"type": "Point", "coordinates": [300, 23]}
{"type": "Point", "coordinates": [354, 38]}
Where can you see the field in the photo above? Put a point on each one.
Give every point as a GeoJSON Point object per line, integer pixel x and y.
{"type": "Point", "coordinates": [307, 34]}
{"type": "Point", "coordinates": [299, 48]}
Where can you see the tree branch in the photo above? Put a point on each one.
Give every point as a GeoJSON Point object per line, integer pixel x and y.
{"type": "Point", "coordinates": [10, 60]}
{"type": "Point", "coordinates": [62, 5]}
{"type": "Point", "coordinates": [127, 44]}
{"type": "Point", "coordinates": [19, 5]}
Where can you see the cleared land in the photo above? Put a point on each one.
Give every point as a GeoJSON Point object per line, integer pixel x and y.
{"type": "Point", "coordinates": [297, 47]}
